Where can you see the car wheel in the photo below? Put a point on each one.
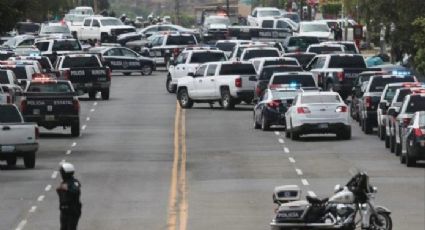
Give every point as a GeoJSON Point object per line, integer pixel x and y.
{"type": "Point", "coordinates": [381, 132]}
{"type": "Point", "coordinates": [105, 94]}
{"type": "Point", "coordinates": [75, 129]}
{"type": "Point", "coordinates": [387, 141]}
{"type": "Point", "coordinates": [367, 126]}
{"type": "Point", "coordinates": [92, 95]}
{"type": "Point", "coordinates": [402, 159]}
{"type": "Point", "coordinates": [29, 160]}
{"type": "Point", "coordinates": [295, 135]}
{"type": "Point", "coordinates": [256, 125]}
{"type": "Point", "coordinates": [184, 99]}
{"type": "Point", "coordinates": [146, 70]}
{"type": "Point", "coordinates": [11, 161]}
{"type": "Point", "coordinates": [410, 161]}
{"type": "Point", "coordinates": [392, 144]}
{"type": "Point", "coordinates": [397, 149]}
{"type": "Point", "coordinates": [103, 38]}
{"type": "Point", "coordinates": [127, 74]}
{"type": "Point", "coordinates": [227, 100]}
{"type": "Point", "coordinates": [287, 133]}
{"type": "Point", "coordinates": [345, 134]}
{"type": "Point", "coordinates": [170, 88]}
{"type": "Point", "coordinates": [264, 125]}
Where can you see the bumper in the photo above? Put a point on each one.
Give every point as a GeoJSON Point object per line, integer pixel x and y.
{"type": "Point", "coordinates": [245, 95]}
{"type": "Point", "coordinates": [418, 149]}
{"type": "Point", "coordinates": [274, 117]}
{"type": "Point", "coordinates": [85, 87]}
{"type": "Point", "coordinates": [310, 128]}
{"type": "Point", "coordinates": [17, 150]}
{"type": "Point", "coordinates": [51, 122]}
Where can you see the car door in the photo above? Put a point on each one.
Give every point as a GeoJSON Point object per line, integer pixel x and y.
{"type": "Point", "coordinates": [198, 79]}
{"type": "Point", "coordinates": [113, 59]}
{"type": "Point", "coordinates": [180, 68]}
{"type": "Point", "coordinates": [208, 85]}
{"type": "Point", "coordinates": [260, 106]}
{"type": "Point", "coordinates": [85, 29]}
{"type": "Point", "coordinates": [129, 60]}
{"type": "Point", "coordinates": [95, 29]}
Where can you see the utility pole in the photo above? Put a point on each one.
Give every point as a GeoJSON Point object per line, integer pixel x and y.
{"type": "Point", "coordinates": [227, 8]}
{"type": "Point", "coordinates": [177, 11]}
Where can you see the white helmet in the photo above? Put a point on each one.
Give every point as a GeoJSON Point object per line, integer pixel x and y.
{"type": "Point", "coordinates": [67, 168]}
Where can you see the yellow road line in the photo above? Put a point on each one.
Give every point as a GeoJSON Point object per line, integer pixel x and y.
{"type": "Point", "coordinates": [172, 201]}
{"type": "Point", "coordinates": [183, 208]}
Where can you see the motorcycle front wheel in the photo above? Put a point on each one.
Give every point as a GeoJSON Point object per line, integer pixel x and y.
{"type": "Point", "coordinates": [381, 221]}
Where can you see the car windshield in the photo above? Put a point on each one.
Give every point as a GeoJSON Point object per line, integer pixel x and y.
{"type": "Point", "coordinates": [181, 40]}
{"type": "Point", "coordinates": [422, 120]}
{"type": "Point", "coordinates": [54, 30]}
{"type": "Point", "coordinates": [3, 77]}
{"type": "Point", "coordinates": [284, 94]}
{"type": "Point", "coordinates": [280, 62]}
{"type": "Point", "coordinates": [75, 62]}
{"type": "Point", "coordinates": [268, 72]}
{"type": "Point", "coordinates": [403, 93]}
{"type": "Point", "coordinates": [297, 79]}
{"type": "Point", "coordinates": [23, 28]}
{"type": "Point", "coordinates": [111, 22]}
{"type": "Point", "coordinates": [350, 48]}
{"type": "Point", "coordinates": [258, 53]}
{"type": "Point", "coordinates": [378, 84]}
{"type": "Point", "coordinates": [390, 93]}
{"type": "Point", "coordinates": [225, 46]}
{"type": "Point", "coordinates": [315, 27]}
{"type": "Point", "coordinates": [218, 20]}
{"type": "Point", "coordinates": [66, 45]}
{"type": "Point", "coordinates": [268, 13]}
{"type": "Point", "coordinates": [49, 87]}
{"type": "Point", "coordinates": [324, 49]}
{"type": "Point", "coordinates": [293, 17]}
{"type": "Point", "coordinates": [207, 57]}
{"type": "Point", "coordinates": [317, 99]}
{"type": "Point", "coordinates": [237, 69]}
{"type": "Point", "coordinates": [416, 104]}
{"type": "Point", "coordinates": [75, 18]}
{"type": "Point", "coordinates": [20, 72]}
{"type": "Point", "coordinates": [303, 59]}
{"type": "Point", "coordinates": [355, 61]}
{"type": "Point", "coordinates": [302, 42]}
{"type": "Point", "coordinates": [9, 114]}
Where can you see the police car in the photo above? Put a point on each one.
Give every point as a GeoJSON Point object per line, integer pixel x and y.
{"type": "Point", "coordinates": [124, 60]}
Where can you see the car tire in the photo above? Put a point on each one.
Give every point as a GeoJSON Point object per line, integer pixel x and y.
{"type": "Point", "coordinates": [11, 161]}
{"type": "Point", "coordinates": [256, 125]}
{"type": "Point", "coordinates": [105, 94]}
{"type": "Point", "coordinates": [170, 88]}
{"type": "Point", "coordinates": [387, 141]}
{"type": "Point", "coordinates": [392, 144]}
{"type": "Point", "coordinates": [147, 70]}
{"type": "Point", "coordinates": [227, 99]}
{"type": "Point", "coordinates": [92, 95]}
{"type": "Point", "coordinates": [295, 135]}
{"type": "Point", "coordinates": [345, 134]}
{"type": "Point", "coordinates": [410, 161]}
{"type": "Point", "coordinates": [184, 99]}
{"type": "Point", "coordinates": [397, 149]}
{"type": "Point", "coordinates": [264, 125]}
{"type": "Point", "coordinates": [367, 127]}
{"type": "Point", "coordinates": [381, 132]}
{"type": "Point", "coordinates": [103, 37]}
{"type": "Point", "coordinates": [402, 159]}
{"type": "Point", "coordinates": [127, 74]}
{"type": "Point", "coordinates": [75, 129]}
{"type": "Point", "coordinates": [287, 133]}
{"type": "Point", "coordinates": [29, 160]}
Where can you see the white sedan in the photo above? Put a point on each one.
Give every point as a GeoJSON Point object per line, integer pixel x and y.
{"type": "Point", "coordinates": [318, 112]}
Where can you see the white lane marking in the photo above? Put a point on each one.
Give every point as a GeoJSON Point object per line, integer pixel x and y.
{"type": "Point", "coordinates": [92, 110]}
{"type": "Point", "coordinates": [54, 174]}
{"type": "Point", "coordinates": [84, 127]}
{"type": "Point", "coordinates": [68, 152]}
{"type": "Point", "coordinates": [21, 225]}
{"type": "Point", "coordinates": [277, 133]}
{"type": "Point", "coordinates": [32, 209]}
{"type": "Point", "coordinates": [311, 193]}
{"type": "Point", "coordinates": [292, 160]}
{"type": "Point", "coordinates": [74, 144]}
{"type": "Point", "coordinates": [299, 172]}
{"type": "Point", "coordinates": [88, 119]}
{"type": "Point", "coordinates": [281, 141]}
{"type": "Point", "coordinates": [40, 198]}
{"type": "Point", "coordinates": [95, 103]}
{"type": "Point", "coordinates": [48, 187]}
{"type": "Point", "coordinates": [286, 150]}
{"type": "Point", "coordinates": [305, 182]}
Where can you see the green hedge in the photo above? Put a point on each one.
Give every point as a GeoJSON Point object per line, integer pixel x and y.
{"type": "Point", "coordinates": [331, 9]}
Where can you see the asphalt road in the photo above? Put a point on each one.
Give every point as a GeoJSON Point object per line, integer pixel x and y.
{"type": "Point", "coordinates": [146, 164]}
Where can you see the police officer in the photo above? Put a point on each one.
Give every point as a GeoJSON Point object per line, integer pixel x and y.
{"type": "Point", "coordinates": [69, 192]}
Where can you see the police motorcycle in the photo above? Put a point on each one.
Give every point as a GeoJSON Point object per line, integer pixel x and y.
{"type": "Point", "coordinates": [351, 207]}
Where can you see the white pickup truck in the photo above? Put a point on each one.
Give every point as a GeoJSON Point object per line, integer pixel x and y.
{"type": "Point", "coordinates": [229, 83]}
{"type": "Point", "coordinates": [187, 62]}
{"type": "Point", "coordinates": [103, 29]}
{"type": "Point", "coordinates": [17, 138]}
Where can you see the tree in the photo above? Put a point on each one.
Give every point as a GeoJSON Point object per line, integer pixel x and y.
{"type": "Point", "coordinates": [419, 44]}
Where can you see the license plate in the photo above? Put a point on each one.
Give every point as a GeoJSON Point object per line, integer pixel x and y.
{"type": "Point", "coordinates": [36, 112]}
{"type": "Point", "coordinates": [50, 117]}
{"type": "Point", "coordinates": [88, 85]}
{"type": "Point", "coordinates": [7, 149]}
{"type": "Point", "coordinates": [102, 79]}
{"type": "Point", "coordinates": [49, 108]}
{"type": "Point", "coordinates": [288, 215]}
{"type": "Point", "coordinates": [323, 126]}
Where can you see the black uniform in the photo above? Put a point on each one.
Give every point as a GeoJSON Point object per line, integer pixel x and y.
{"type": "Point", "coordinates": [69, 203]}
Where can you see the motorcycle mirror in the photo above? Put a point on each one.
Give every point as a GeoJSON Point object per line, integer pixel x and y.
{"type": "Point", "coordinates": [337, 188]}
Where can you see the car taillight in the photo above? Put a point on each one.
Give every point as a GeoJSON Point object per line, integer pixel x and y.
{"type": "Point", "coordinates": [66, 74]}
{"type": "Point", "coordinates": [109, 74]}
{"type": "Point", "coordinates": [274, 104]}
{"type": "Point", "coordinates": [76, 104]}
{"type": "Point", "coordinates": [36, 133]}
{"type": "Point", "coordinates": [418, 132]}
{"type": "Point", "coordinates": [341, 109]}
{"type": "Point", "coordinates": [238, 82]}
{"type": "Point", "coordinates": [368, 101]}
{"type": "Point", "coordinates": [406, 121]}
{"type": "Point", "coordinates": [303, 110]}
{"type": "Point", "coordinates": [23, 105]}
{"type": "Point", "coordinates": [340, 76]}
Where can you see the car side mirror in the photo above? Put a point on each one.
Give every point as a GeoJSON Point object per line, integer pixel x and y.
{"type": "Point", "coordinates": [191, 74]}
{"type": "Point", "coordinates": [383, 105]}
{"type": "Point", "coordinates": [253, 78]}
